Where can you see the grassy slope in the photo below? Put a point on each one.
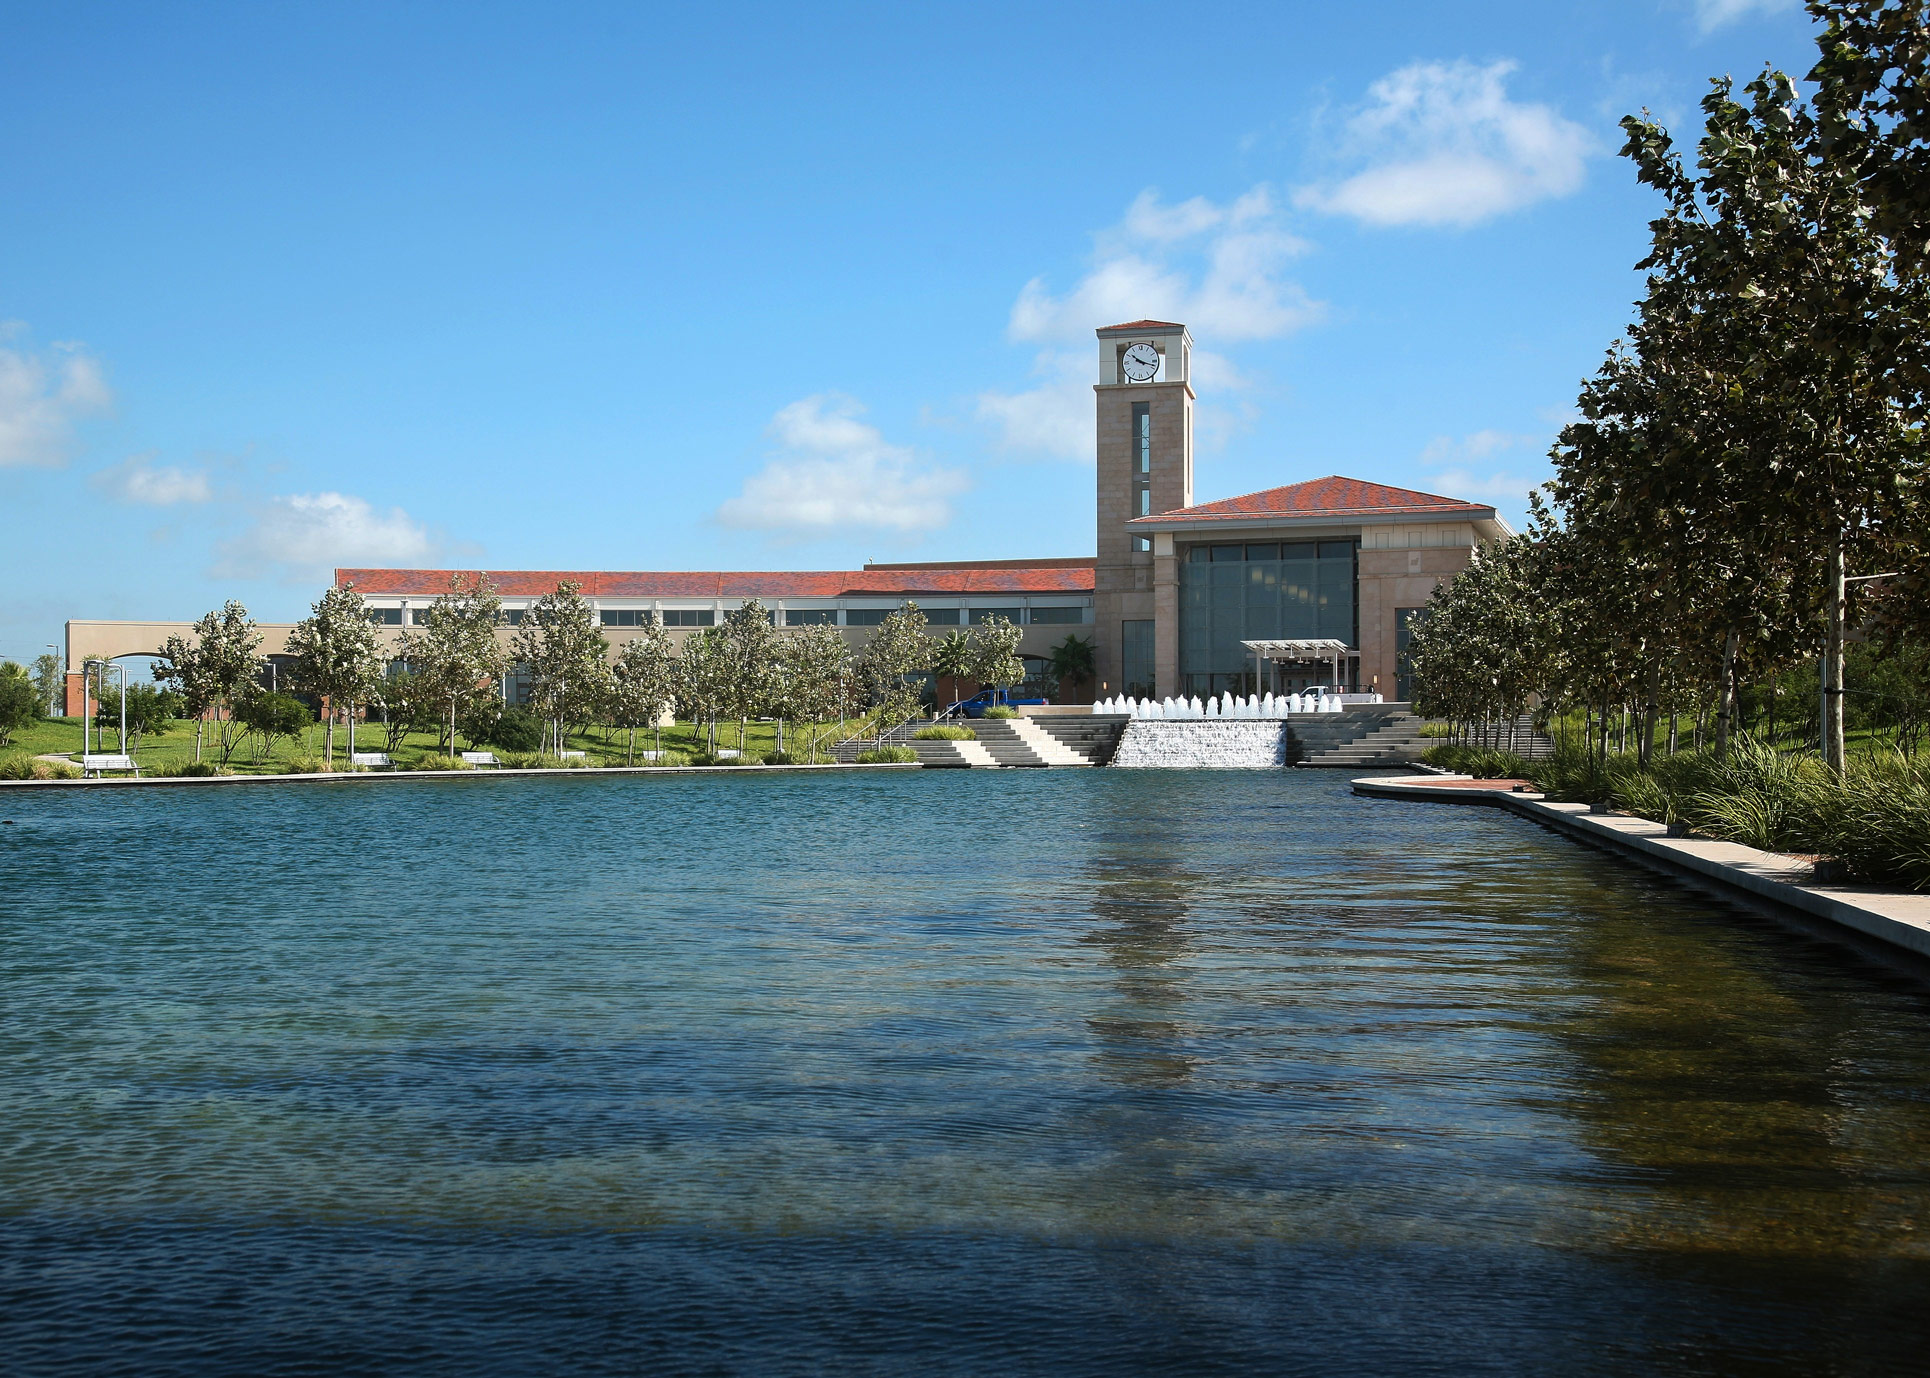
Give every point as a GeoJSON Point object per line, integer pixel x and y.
{"type": "Point", "coordinates": [63, 736]}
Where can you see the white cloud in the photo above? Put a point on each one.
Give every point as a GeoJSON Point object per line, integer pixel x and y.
{"type": "Point", "coordinates": [1217, 267]}
{"type": "Point", "coordinates": [1442, 144]}
{"type": "Point", "coordinates": [1468, 467]}
{"type": "Point", "coordinates": [1056, 418]}
{"type": "Point", "coordinates": [41, 396]}
{"type": "Point", "coordinates": [1713, 14]}
{"type": "Point", "coordinates": [836, 472]}
{"type": "Point", "coordinates": [304, 536]}
{"type": "Point", "coordinates": [137, 480]}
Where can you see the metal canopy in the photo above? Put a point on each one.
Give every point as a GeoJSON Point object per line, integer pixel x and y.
{"type": "Point", "coordinates": [1297, 650]}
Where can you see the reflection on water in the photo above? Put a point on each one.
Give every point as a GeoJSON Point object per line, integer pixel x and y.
{"type": "Point", "coordinates": [945, 1072]}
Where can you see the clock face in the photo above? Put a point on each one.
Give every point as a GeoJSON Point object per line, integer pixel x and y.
{"type": "Point", "coordinates": [1140, 362]}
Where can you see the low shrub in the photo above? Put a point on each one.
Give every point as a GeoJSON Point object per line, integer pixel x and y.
{"type": "Point", "coordinates": [704, 758]}
{"type": "Point", "coordinates": [780, 758]}
{"type": "Point", "coordinates": [299, 765]}
{"type": "Point", "coordinates": [1001, 711]}
{"type": "Point", "coordinates": [199, 769]}
{"type": "Point", "coordinates": [1437, 729]}
{"type": "Point", "coordinates": [432, 761]}
{"type": "Point", "coordinates": [945, 732]}
{"type": "Point", "coordinates": [515, 729]}
{"type": "Point", "coordinates": [888, 755]}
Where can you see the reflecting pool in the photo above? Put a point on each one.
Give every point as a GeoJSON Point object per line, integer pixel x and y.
{"type": "Point", "coordinates": [1054, 1072]}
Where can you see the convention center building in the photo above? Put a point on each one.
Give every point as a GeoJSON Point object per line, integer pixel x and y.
{"type": "Point", "coordinates": [1172, 594]}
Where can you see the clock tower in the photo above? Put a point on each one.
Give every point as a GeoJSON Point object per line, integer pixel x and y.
{"type": "Point", "coordinates": [1145, 465]}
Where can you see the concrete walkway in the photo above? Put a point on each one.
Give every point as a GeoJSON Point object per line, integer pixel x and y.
{"type": "Point", "coordinates": [1895, 919]}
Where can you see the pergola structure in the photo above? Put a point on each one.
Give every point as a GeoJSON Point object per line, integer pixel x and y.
{"type": "Point", "coordinates": [1325, 648]}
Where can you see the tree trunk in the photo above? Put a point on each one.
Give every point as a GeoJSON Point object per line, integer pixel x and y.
{"type": "Point", "coordinates": [328, 740]}
{"type": "Point", "coordinates": [1645, 747]}
{"type": "Point", "coordinates": [1675, 727]}
{"type": "Point", "coordinates": [1726, 694]}
{"type": "Point", "coordinates": [1833, 658]}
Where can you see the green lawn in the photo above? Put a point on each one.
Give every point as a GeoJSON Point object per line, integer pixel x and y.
{"type": "Point", "coordinates": [176, 747]}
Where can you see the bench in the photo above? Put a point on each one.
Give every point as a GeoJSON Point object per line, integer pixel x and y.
{"type": "Point", "coordinates": [479, 758]}
{"type": "Point", "coordinates": [570, 755]}
{"type": "Point", "coordinates": [376, 760]}
{"type": "Point", "coordinates": [728, 753]}
{"type": "Point", "coordinates": [649, 755]}
{"type": "Point", "coordinates": [94, 765]}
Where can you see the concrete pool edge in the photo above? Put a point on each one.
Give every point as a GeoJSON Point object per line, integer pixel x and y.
{"type": "Point", "coordinates": [1895, 919]}
{"type": "Point", "coordinates": [481, 773]}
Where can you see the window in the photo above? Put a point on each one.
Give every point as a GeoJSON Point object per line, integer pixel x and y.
{"type": "Point", "coordinates": [1136, 657]}
{"type": "Point", "coordinates": [1145, 502]}
{"type": "Point", "coordinates": [1142, 544]}
{"type": "Point", "coordinates": [1142, 437]}
{"type": "Point", "coordinates": [419, 617]}
{"type": "Point", "coordinates": [865, 617]}
{"type": "Point", "coordinates": [1234, 593]}
{"type": "Point", "coordinates": [942, 617]}
{"type": "Point", "coordinates": [810, 617]}
{"type": "Point", "coordinates": [626, 617]}
{"type": "Point", "coordinates": [690, 617]}
{"type": "Point", "coordinates": [512, 617]}
{"type": "Point", "coordinates": [1057, 616]}
{"type": "Point", "coordinates": [386, 617]}
{"type": "Point", "coordinates": [980, 616]}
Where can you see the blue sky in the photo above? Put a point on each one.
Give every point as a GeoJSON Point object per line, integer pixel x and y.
{"type": "Point", "coordinates": [610, 287]}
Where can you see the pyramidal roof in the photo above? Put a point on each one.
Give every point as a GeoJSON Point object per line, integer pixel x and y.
{"type": "Point", "coordinates": [1141, 325]}
{"type": "Point", "coordinates": [1332, 496]}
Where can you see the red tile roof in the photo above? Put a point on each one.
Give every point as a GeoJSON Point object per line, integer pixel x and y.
{"type": "Point", "coordinates": [1142, 325]}
{"type": "Point", "coordinates": [884, 583]}
{"type": "Point", "coordinates": [1322, 497]}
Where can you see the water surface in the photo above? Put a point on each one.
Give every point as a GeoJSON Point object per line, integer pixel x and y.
{"type": "Point", "coordinates": [935, 1072]}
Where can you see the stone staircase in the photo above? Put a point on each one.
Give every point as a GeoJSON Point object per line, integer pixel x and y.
{"type": "Point", "coordinates": [1060, 740]}
{"type": "Point", "coordinates": [1363, 741]}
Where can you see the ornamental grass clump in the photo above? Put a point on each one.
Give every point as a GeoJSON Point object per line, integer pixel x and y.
{"type": "Point", "coordinates": [945, 732]}
{"type": "Point", "coordinates": [200, 769]}
{"type": "Point", "coordinates": [31, 768]}
{"type": "Point", "coordinates": [1483, 763]}
{"type": "Point", "coordinates": [435, 761]}
{"type": "Point", "coordinates": [999, 710]}
{"type": "Point", "coordinates": [888, 756]}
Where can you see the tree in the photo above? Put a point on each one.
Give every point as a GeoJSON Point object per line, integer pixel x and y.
{"type": "Point", "coordinates": [951, 659]}
{"type": "Point", "coordinates": [1823, 322]}
{"type": "Point", "coordinates": [336, 658]}
{"type": "Point", "coordinates": [1072, 661]}
{"type": "Point", "coordinates": [215, 672]}
{"type": "Point", "coordinates": [643, 685]}
{"type": "Point", "coordinates": [456, 661]}
{"type": "Point", "coordinates": [560, 647]}
{"type": "Point", "coordinates": [149, 710]}
{"type": "Point", "coordinates": [50, 679]}
{"type": "Point", "coordinates": [995, 653]}
{"type": "Point", "coordinates": [20, 701]}
{"type": "Point", "coordinates": [817, 679]}
{"type": "Point", "coordinates": [750, 640]}
{"type": "Point", "coordinates": [895, 650]}
{"type": "Point", "coordinates": [703, 673]}
{"type": "Point", "coordinates": [273, 716]}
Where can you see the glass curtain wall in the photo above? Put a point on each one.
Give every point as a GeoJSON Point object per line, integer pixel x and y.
{"type": "Point", "coordinates": [1296, 590]}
